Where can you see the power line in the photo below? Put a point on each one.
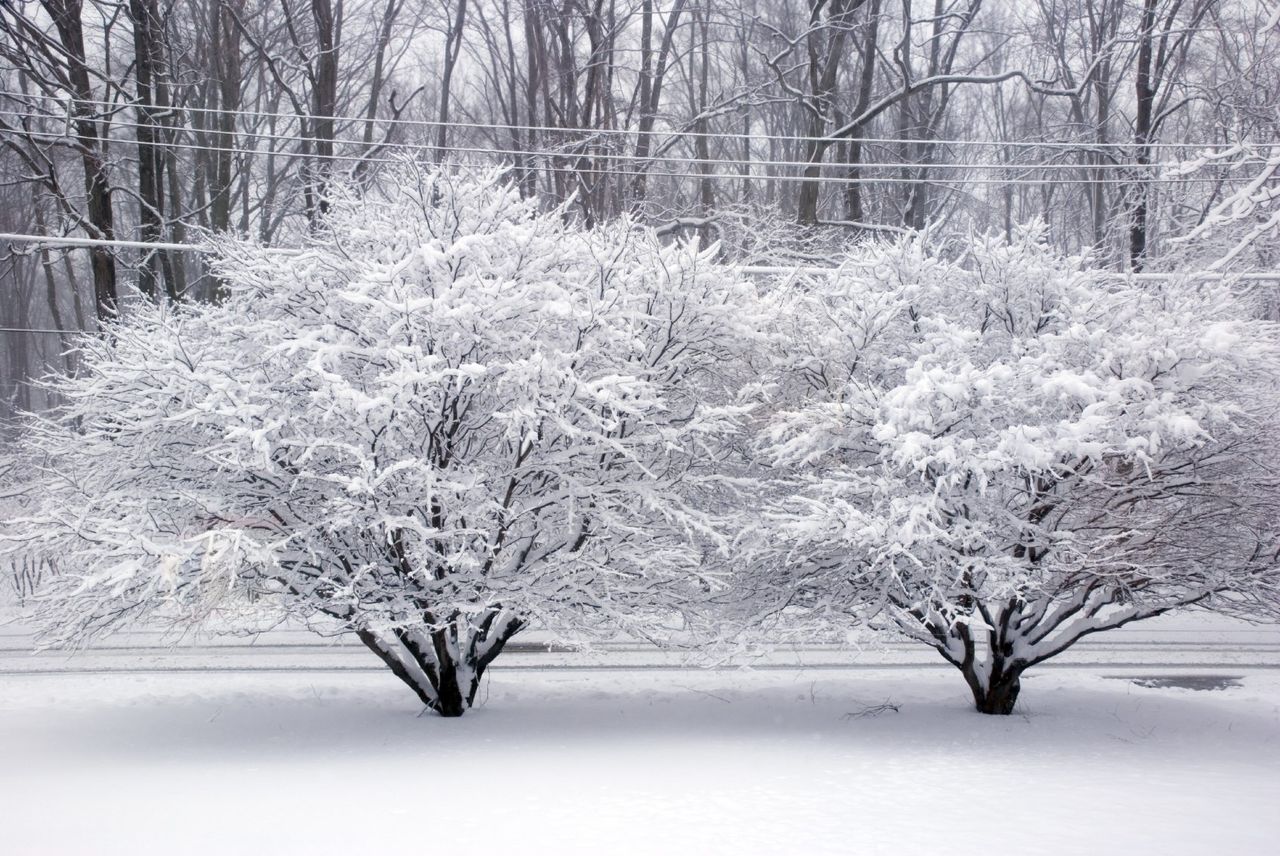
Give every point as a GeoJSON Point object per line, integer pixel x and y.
{"type": "Point", "coordinates": [40, 330]}
{"type": "Point", "coordinates": [68, 103]}
{"type": "Point", "coordinates": [1202, 276]}
{"type": "Point", "coordinates": [613, 156]}
{"type": "Point", "coordinates": [836, 179]}
{"type": "Point", "coordinates": [73, 241]}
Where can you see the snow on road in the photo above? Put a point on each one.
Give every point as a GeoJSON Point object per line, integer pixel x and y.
{"type": "Point", "coordinates": [637, 762]}
{"type": "Point", "coordinates": [1187, 640]}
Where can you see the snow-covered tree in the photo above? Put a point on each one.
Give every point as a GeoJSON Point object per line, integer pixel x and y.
{"type": "Point", "coordinates": [450, 417]}
{"type": "Point", "coordinates": [1000, 454]}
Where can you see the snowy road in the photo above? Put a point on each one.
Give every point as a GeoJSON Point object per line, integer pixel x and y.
{"type": "Point", "coordinates": [1194, 641]}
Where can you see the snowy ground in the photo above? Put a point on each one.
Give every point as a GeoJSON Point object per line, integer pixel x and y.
{"type": "Point", "coordinates": [605, 762]}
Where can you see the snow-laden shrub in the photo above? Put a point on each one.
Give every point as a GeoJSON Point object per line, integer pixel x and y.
{"type": "Point", "coordinates": [450, 417]}
{"type": "Point", "coordinates": [1000, 454]}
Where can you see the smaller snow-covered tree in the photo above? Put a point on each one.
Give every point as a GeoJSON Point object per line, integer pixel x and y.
{"type": "Point", "coordinates": [450, 417]}
{"type": "Point", "coordinates": [1002, 454]}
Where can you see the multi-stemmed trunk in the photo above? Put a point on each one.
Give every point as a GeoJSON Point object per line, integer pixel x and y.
{"type": "Point", "coordinates": [993, 667]}
{"type": "Point", "coordinates": [443, 662]}
{"type": "Point", "coordinates": [1023, 632]}
{"type": "Point", "coordinates": [994, 686]}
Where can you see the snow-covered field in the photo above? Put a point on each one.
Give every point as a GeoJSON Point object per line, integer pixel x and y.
{"type": "Point", "coordinates": [604, 762]}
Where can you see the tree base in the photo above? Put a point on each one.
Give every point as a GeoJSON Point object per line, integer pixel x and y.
{"type": "Point", "coordinates": [451, 711]}
{"type": "Point", "coordinates": [999, 698]}
{"type": "Point", "coordinates": [444, 665]}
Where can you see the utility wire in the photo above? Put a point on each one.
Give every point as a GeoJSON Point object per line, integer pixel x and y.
{"type": "Point", "coordinates": [68, 103]}
{"type": "Point", "coordinates": [616, 156]}
{"type": "Point", "coordinates": [40, 330]}
{"type": "Point", "coordinates": [611, 172]}
{"type": "Point", "coordinates": [73, 241]}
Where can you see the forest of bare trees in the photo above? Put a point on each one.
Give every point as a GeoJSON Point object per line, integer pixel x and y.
{"type": "Point", "coordinates": [783, 128]}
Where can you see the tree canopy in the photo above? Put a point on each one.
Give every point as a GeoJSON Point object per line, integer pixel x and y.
{"type": "Point", "coordinates": [449, 416]}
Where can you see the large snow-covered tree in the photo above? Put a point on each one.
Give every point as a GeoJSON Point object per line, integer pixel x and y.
{"type": "Point", "coordinates": [1001, 453]}
{"type": "Point", "coordinates": [450, 417]}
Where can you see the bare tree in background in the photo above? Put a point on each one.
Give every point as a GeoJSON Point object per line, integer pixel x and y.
{"type": "Point", "coordinates": [56, 64]}
{"type": "Point", "coordinates": [161, 121]}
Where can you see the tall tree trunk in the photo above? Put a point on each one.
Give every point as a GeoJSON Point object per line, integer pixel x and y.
{"type": "Point", "coordinates": [324, 102]}
{"type": "Point", "coordinates": [702, 128]}
{"type": "Point", "coordinates": [653, 73]}
{"type": "Point", "coordinates": [389, 15]}
{"type": "Point", "coordinates": [51, 285]}
{"type": "Point", "coordinates": [1104, 29]}
{"type": "Point", "coordinates": [148, 64]}
{"type": "Point", "coordinates": [1146, 96]}
{"type": "Point", "coordinates": [815, 149]}
{"type": "Point", "coordinates": [594, 101]}
{"type": "Point", "coordinates": [826, 50]}
{"type": "Point", "coordinates": [854, 203]}
{"type": "Point", "coordinates": [526, 177]}
{"type": "Point", "coordinates": [452, 49]}
{"type": "Point", "coordinates": [99, 215]}
{"type": "Point", "coordinates": [225, 61]}
{"type": "Point", "coordinates": [745, 67]}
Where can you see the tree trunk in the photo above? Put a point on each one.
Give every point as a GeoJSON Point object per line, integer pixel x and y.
{"type": "Point", "coordinates": [452, 49]}
{"type": "Point", "coordinates": [854, 202]}
{"type": "Point", "coordinates": [226, 96]}
{"type": "Point", "coordinates": [826, 50]}
{"type": "Point", "coordinates": [324, 104]}
{"type": "Point", "coordinates": [1145, 94]}
{"type": "Point", "coordinates": [1000, 697]}
{"type": "Point", "coordinates": [92, 144]}
{"type": "Point", "coordinates": [148, 63]}
{"type": "Point", "coordinates": [996, 692]}
{"type": "Point", "coordinates": [702, 129]}
{"type": "Point", "coordinates": [443, 666]}
{"type": "Point", "coordinates": [379, 60]}
{"type": "Point", "coordinates": [807, 206]}
{"type": "Point", "coordinates": [653, 73]}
